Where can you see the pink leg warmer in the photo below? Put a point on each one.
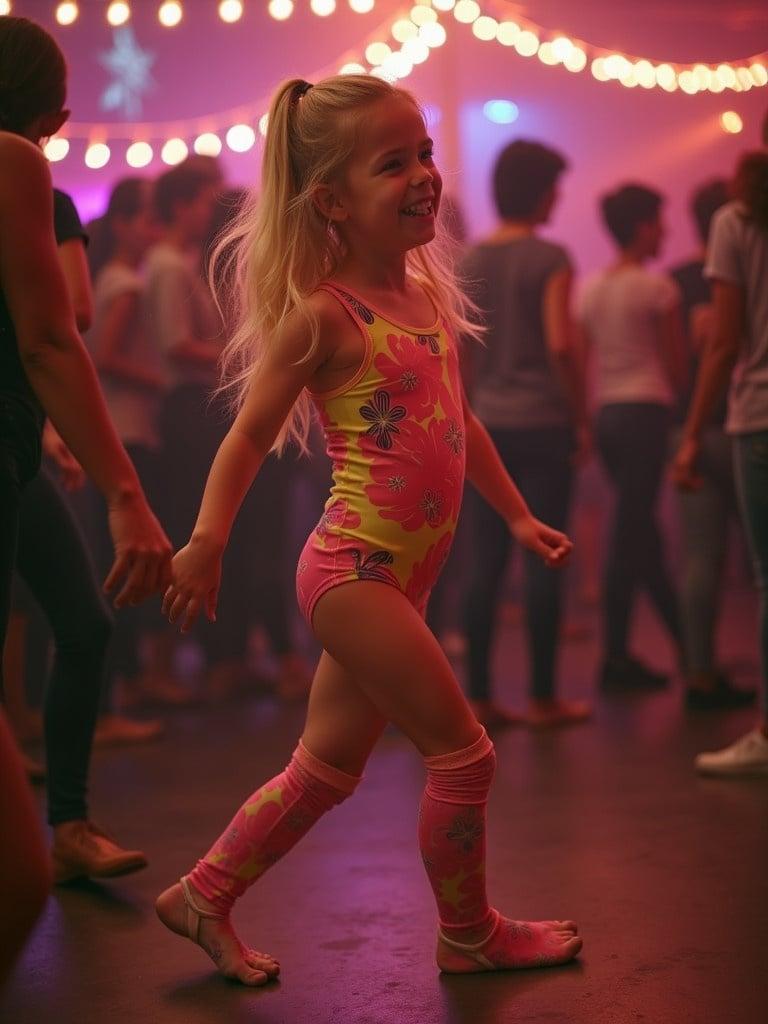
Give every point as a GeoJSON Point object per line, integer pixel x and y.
{"type": "Point", "coordinates": [268, 825]}
{"type": "Point", "coordinates": [452, 834]}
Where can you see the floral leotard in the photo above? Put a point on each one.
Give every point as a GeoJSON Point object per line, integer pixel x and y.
{"type": "Point", "coordinates": [395, 436]}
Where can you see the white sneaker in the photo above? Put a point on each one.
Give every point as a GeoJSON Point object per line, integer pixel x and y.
{"type": "Point", "coordinates": [747, 756]}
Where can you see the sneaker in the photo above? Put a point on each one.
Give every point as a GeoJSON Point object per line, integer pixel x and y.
{"type": "Point", "coordinates": [82, 850]}
{"type": "Point", "coordinates": [719, 696]}
{"type": "Point", "coordinates": [747, 756]}
{"type": "Point", "coordinates": [630, 674]}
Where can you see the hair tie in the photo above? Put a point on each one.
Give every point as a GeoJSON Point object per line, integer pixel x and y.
{"type": "Point", "coordinates": [302, 89]}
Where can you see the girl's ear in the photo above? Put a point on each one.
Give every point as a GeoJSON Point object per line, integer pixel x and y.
{"type": "Point", "coordinates": [328, 204]}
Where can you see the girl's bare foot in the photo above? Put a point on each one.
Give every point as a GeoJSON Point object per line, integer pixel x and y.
{"type": "Point", "coordinates": [185, 912]}
{"type": "Point", "coordinates": [511, 945]}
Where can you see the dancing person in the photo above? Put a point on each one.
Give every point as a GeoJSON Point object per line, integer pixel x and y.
{"type": "Point", "coordinates": [344, 305]}
{"type": "Point", "coordinates": [44, 366]}
{"type": "Point", "coordinates": [706, 511]}
{"type": "Point", "coordinates": [631, 318]}
{"type": "Point", "coordinates": [737, 265]}
{"type": "Point", "coordinates": [527, 389]}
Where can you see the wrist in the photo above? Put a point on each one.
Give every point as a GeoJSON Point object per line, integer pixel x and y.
{"type": "Point", "coordinates": [124, 494]}
{"type": "Point", "coordinates": [207, 540]}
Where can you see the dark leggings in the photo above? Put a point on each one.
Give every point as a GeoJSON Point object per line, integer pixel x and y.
{"type": "Point", "coordinates": [632, 438]}
{"type": "Point", "coordinates": [53, 561]}
{"type": "Point", "coordinates": [539, 461]}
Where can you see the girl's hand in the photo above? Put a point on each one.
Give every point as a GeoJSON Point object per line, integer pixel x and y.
{"type": "Point", "coordinates": [552, 546]}
{"type": "Point", "coordinates": [683, 471]}
{"type": "Point", "coordinates": [142, 551]}
{"type": "Point", "coordinates": [196, 576]}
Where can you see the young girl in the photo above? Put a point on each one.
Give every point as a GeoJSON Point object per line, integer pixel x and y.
{"type": "Point", "coordinates": [344, 306]}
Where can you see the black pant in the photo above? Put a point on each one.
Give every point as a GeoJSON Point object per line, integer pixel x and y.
{"type": "Point", "coordinates": [632, 438]}
{"type": "Point", "coordinates": [540, 463]}
{"type": "Point", "coordinates": [53, 561]}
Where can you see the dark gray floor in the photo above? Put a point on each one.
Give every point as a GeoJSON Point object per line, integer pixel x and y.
{"type": "Point", "coordinates": [666, 873]}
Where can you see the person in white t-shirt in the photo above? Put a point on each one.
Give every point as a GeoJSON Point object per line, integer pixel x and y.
{"type": "Point", "coordinates": [737, 265]}
{"type": "Point", "coordinates": [631, 318]}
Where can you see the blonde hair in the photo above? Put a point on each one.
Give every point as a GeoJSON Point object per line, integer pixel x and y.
{"type": "Point", "coordinates": [281, 248]}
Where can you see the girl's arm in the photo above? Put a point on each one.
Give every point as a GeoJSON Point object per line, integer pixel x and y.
{"type": "Point", "coordinates": [60, 370]}
{"type": "Point", "coordinates": [110, 345]}
{"type": "Point", "coordinates": [488, 474]}
{"type": "Point", "coordinates": [276, 384]}
{"type": "Point", "coordinates": [717, 362]}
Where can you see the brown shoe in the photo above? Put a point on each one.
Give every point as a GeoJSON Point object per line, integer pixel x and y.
{"type": "Point", "coordinates": [115, 730]}
{"type": "Point", "coordinates": [82, 850]}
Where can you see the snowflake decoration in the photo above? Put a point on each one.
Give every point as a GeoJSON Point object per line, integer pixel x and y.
{"type": "Point", "coordinates": [131, 70]}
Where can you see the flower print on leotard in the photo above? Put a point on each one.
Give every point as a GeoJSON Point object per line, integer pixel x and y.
{"type": "Point", "coordinates": [395, 435]}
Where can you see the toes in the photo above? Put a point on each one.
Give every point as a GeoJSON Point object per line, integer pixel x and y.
{"type": "Point", "coordinates": [263, 963]}
{"type": "Point", "coordinates": [251, 977]}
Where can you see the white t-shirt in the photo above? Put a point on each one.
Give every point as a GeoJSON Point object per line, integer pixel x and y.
{"type": "Point", "coordinates": [738, 254]}
{"type": "Point", "coordinates": [621, 310]}
{"type": "Point", "coordinates": [134, 409]}
{"type": "Point", "coordinates": [179, 307]}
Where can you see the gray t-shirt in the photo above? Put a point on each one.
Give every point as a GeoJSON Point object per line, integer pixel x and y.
{"type": "Point", "coordinates": [514, 383]}
{"type": "Point", "coordinates": [738, 254]}
{"type": "Point", "coordinates": [179, 306]}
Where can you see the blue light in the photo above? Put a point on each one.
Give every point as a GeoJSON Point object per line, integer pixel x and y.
{"type": "Point", "coordinates": [501, 111]}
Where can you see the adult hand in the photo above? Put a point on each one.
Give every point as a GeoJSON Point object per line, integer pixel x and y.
{"type": "Point", "coordinates": [552, 546]}
{"type": "Point", "coordinates": [196, 577]}
{"type": "Point", "coordinates": [142, 551]}
{"type": "Point", "coordinates": [683, 470]}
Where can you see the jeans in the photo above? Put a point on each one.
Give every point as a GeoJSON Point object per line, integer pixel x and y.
{"type": "Point", "coordinates": [53, 561]}
{"type": "Point", "coordinates": [705, 516]}
{"type": "Point", "coordinates": [751, 463]}
{"type": "Point", "coordinates": [539, 461]}
{"type": "Point", "coordinates": [632, 439]}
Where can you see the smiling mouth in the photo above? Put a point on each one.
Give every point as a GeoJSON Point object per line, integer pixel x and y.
{"type": "Point", "coordinates": [423, 209]}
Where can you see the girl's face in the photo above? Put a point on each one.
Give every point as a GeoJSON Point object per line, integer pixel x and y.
{"type": "Point", "coordinates": [137, 233]}
{"type": "Point", "coordinates": [390, 194]}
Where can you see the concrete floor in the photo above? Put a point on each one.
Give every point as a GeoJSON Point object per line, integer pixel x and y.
{"type": "Point", "coordinates": [606, 823]}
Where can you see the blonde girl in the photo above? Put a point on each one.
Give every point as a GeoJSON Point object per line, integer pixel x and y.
{"type": "Point", "coordinates": [343, 305]}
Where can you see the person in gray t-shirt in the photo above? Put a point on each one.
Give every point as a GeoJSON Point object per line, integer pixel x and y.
{"type": "Point", "coordinates": [526, 387]}
{"type": "Point", "coordinates": [737, 263]}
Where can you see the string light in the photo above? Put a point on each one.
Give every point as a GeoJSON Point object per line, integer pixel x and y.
{"type": "Point", "coordinates": [352, 69]}
{"type": "Point", "coordinates": [443, 5]}
{"type": "Point", "coordinates": [362, 6]}
{"type": "Point", "coordinates": [5, 7]}
{"type": "Point", "coordinates": [377, 53]}
{"type": "Point", "coordinates": [263, 124]}
{"type": "Point", "coordinates": [230, 11]}
{"type": "Point", "coordinates": [240, 138]}
{"type": "Point", "coordinates": [485, 28]}
{"type": "Point", "coordinates": [118, 13]}
{"type": "Point", "coordinates": [170, 13]}
{"type": "Point", "coordinates": [433, 35]}
{"type": "Point", "coordinates": [322, 8]}
{"type": "Point", "coordinates": [731, 122]}
{"type": "Point", "coordinates": [97, 155]}
{"type": "Point", "coordinates": [466, 11]}
{"type": "Point", "coordinates": [576, 60]}
{"type": "Point", "coordinates": [507, 33]}
{"type": "Point", "coordinates": [527, 43]}
{"type": "Point", "coordinates": [66, 13]}
{"type": "Point", "coordinates": [422, 14]}
{"type": "Point", "coordinates": [403, 30]}
{"type": "Point", "coordinates": [207, 144]}
{"type": "Point", "coordinates": [56, 149]}
{"type": "Point", "coordinates": [174, 151]}
{"type": "Point", "coordinates": [139, 154]}
{"type": "Point", "coordinates": [280, 9]}
{"type": "Point", "coordinates": [416, 50]}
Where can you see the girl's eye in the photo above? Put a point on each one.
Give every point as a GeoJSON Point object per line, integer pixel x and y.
{"type": "Point", "coordinates": [391, 165]}
{"type": "Point", "coordinates": [427, 154]}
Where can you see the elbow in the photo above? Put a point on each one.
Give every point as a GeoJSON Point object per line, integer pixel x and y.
{"type": "Point", "coordinates": [83, 318]}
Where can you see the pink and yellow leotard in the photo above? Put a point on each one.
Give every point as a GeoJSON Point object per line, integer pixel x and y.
{"type": "Point", "coordinates": [395, 435]}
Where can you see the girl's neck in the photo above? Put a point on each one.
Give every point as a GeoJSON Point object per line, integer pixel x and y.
{"type": "Point", "coordinates": [372, 273]}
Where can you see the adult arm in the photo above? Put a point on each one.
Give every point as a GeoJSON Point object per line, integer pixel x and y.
{"type": "Point", "coordinates": [74, 266]}
{"type": "Point", "coordinates": [109, 352]}
{"type": "Point", "coordinates": [565, 351]}
{"type": "Point", "coordinates": [60, 370]}
{"type": "Point", "coordinates": [717, 362]}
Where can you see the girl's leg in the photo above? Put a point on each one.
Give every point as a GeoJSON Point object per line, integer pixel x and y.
{"type": "Point", "coordinates": [378, 637]}
{"type": "Point", "coordinates": [342, 728]}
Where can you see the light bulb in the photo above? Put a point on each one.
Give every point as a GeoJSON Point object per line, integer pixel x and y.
{"type": "Point", "coordinates": [576, 59]}
{"type": "Point", "coordinates": [362, 6]}
{"type": "Point", "coordinates": [97, 155]}
{"type": "Point", "coordinates": [240, 138]}
{"type": "Point", "coordinates": [230, 11]}
{"type": "Point", "coordinates": [527, 43]}
{"type": "Point", "coordinates": [263, 124]}
{"type": "Point", "coordinates": [170, 13]}
{"type": "Point", "coordinates": [443, 5]}
{"type": "Point", "coordinates": [420, 14]}
{"type": "Point", "coordinates": [139, 154]}
{"type": "Point", "coordinates": [485, 28]}
{"type": "Point", "coordinates": [66, 13]}
{"type": "Point", "coordinates": [118, 13]}
{"type": "Point", "coordinates": [207, 144]}
{"type": "Point", "coordinates": [5, 7]}
{"type": "Point", "coordinates": [433, 34]}
{"type": "Point", "coordinates": [352, 69]}
{"type": "Point", "coordinates": [507, 33]}
{"type": "Point", "coordinates": [731, 122]}
{"type": "Point", "coordinates": [403, 30]}
{"type": "Point", "coordinates": [466, 11]}
{"type": "Point", "coordinates": [377, 53]}
{"type": "Point", "coordinates": [322, 8]}
{"type": "Point", "coordinates": [416, 50]}
{"type": "Point", "coordinates": [547, 55]}
{"type": "Point", "coordinates": [666, 77]}
{"type": "Point", "coordinates": [759, 74]}
{"type": "Point", "coordinates": [280, 10]}
{"type": "Point", "coordinates": [174, 151]}
{"type": "Point", "coordinates": [645, 74]}
{"type": "Point", "coordinates": [561, 47]}
{"type": "Point", "coordinates": [56, 149]}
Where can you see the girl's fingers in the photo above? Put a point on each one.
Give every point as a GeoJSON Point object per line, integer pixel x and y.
{"type": "Point", "coordinates": [191, 614]}
{"type": "Point", "coordinates": [116, 573]}
{"type": "Point", "coordinates": [180, 602]}
{"type": "Point", "coordinates": [210, 605]}
{"type": "Point", "coordinates": [168, 598]}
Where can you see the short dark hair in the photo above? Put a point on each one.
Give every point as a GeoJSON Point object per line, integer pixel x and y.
{"type": "Point", "coordinates": [524, 172]}
{"type": "Point", "coordinates": [705, 202]}
{"type": "Point", "coordinates": [182, 184]}
{"type": "Point", "coordinates": [33, 74]}
{"type": "Point", "coordinates": [625, 209]}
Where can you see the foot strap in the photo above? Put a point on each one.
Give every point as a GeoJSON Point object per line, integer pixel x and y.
{"type": "Point", "coordinates": [472, 949]}
{"type": "Point", "coordinates": [196, 913]}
